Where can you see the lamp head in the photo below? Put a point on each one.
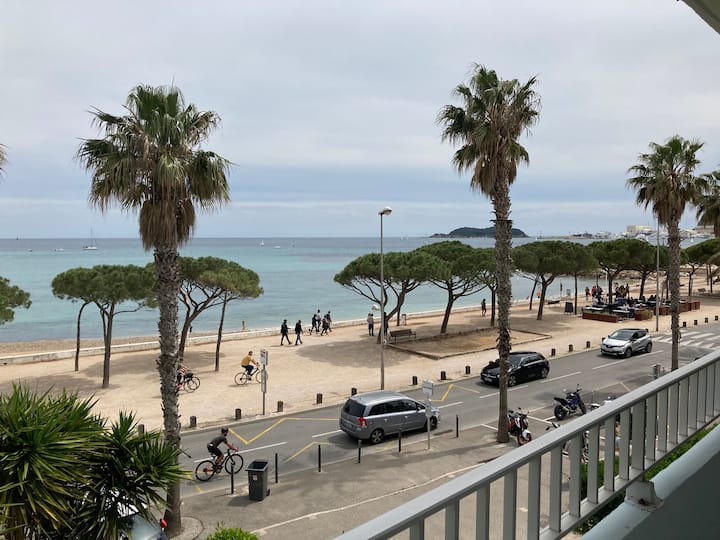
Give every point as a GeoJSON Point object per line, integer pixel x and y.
{"type": "Point", "coordinates": [385, 211]}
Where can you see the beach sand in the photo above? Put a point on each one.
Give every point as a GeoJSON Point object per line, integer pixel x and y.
{"type": "Point", "coordinates": [329, 365]}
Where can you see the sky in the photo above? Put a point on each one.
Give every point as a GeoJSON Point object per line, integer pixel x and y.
{"type": "Point", "coordinates": [328, 107]}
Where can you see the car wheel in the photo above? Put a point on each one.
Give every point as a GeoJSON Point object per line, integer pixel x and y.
{"type": "Point", "coordinates": [511, 380]}
{"type": "Point", "coordinates": [544, 373]}
{"type": "Point", "coordinates": [627, 353]}
{"type": "Point", "coordinates": [648, 347]}
{"type": "Point", "coordinates": [433, 422]}
{"type": "Point", "coordinates": [377, 436]}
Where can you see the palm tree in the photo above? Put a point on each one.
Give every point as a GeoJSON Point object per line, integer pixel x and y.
{"type": "Point", "coordinates": [3, 159]}
{"type": "Point", "coordinates": [493, 116]}
{"type": "Point", "coordinates": [149, 162]}
{"type": "Point", "coordinates": [665, 178]}
{"type": "Point", "coordinates": [708, 208]}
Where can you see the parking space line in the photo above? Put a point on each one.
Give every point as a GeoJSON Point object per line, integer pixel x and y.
{"type": "Point", "coordinates": [326, 433]}
{"type": "Point", "coordinates": [451, 386]}
{"type": "Point", "coordinates": [561, 377]}
{"type": "Point", "coordinates": [450, 405]}
{"type": "Point", "coordinates": [611, 364]}
{"type": "Point", "coordinates": [489, 427]}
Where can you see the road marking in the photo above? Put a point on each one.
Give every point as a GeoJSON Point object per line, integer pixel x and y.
{"type": "Point", "coordinates": [490, 395]}
{"type": "Point", "coordinates": [450, 405]}
{"type": "Point", "coordinates": [264, 447]}
{"type": "Point", "coordinates": [326, 433]}
{"type": "Point", "coordinates": [610, 364]}
{"type": "Point", "coordinates": [309, 445]}
{"type": "Point", "coordinates": [561, 377]}
{"type": "Point", "coordinates": [489, 427]}
{"type": "Point", "coordinates": [451, 386]}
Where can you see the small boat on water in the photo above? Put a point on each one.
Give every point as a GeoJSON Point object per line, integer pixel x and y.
{"type": "Point", "coordinates": [262, 243]}
{"type": "Point", "coordinates": [92, 246]}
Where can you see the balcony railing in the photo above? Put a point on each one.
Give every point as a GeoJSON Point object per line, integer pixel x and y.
{"type": "Point", "coordinates": [543, 478]}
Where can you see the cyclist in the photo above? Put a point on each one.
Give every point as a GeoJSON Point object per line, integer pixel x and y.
{"type": "Point", "coordinates": [212, 446]}
{"type": "Point", "coordinates": [249, 364]}
{"type": "Point", "coordinates": [184, 373]}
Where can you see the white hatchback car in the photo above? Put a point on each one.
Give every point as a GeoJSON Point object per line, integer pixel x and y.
{"type": "Point", "coordinates": [626, 342]}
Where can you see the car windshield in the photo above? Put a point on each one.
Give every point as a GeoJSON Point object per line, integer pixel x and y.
{"type": "Point", "coordinates": [623, 335]}
{"type": "Point", "coordinates": [515, 360]}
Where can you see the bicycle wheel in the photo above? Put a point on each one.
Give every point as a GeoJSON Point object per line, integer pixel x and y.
{"type": "Point", "coordinates": [234, 462]}
{"type": "Point", "coordinates": [241, 378]}
{"type": "Point", "coordinates": [258, 375]}
{"type": "Point", "coordinates": [205, 470]}
{"type": "Point", "coordinates": [192, 384]}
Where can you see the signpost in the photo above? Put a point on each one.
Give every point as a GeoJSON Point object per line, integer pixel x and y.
{"type": "Point", "coordinates": [263, 376]}
{"type": "Point", "coordinates": [427, 388]}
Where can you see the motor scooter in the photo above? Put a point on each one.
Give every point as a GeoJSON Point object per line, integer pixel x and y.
{"type": "Point", "coordinates": [518, 426]}
{"type": "Point", "coordinates": [569, 404]}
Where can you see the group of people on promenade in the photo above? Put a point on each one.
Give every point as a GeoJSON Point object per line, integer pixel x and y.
{"type": "Point", "coordinates": [321, 324]}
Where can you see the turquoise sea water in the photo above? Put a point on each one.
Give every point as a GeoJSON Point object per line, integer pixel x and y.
{"type": "Point", "coordinates": [296, 274]}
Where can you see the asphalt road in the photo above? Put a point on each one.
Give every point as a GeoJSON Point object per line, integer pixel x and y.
{"type": "Point", "coordinates": [312, 438]}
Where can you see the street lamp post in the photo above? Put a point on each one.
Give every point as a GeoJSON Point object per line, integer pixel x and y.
{"type": "Point", "coordinates": [384, 212]}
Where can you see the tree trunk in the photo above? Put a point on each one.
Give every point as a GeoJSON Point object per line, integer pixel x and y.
{"type": "Point", "coordinates": [219, 335]}
{"type": "Point", "coordinates": [107, 341]}
{"type": "Point", "coordinates": [576, 293]}
{"type": "Point", "coordinates": [448, 309]}
{"type": "Point", "coordinates": [673, 280]}
{"type": "Point", "coordinates": [167, 269]}
{"type": "Point", "coordinates": [493, 303]}
{"type": "Point", "coordinates": [77, 337]}
{"type": "Point", "coordinates": [503, 246]}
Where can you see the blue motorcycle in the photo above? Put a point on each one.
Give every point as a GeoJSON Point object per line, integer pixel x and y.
{"type": "Point", "coordinates": [569, 404]}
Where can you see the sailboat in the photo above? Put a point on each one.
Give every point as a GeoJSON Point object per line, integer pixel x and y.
{"type": "Point", "coordinates": [92, 246]}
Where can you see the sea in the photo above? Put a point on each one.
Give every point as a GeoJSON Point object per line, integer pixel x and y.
{"type": "Point", "coordinates": [295, 273]}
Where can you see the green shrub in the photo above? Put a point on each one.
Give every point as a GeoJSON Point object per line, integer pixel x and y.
{"type": "Point", "coordinates": [221, 533]}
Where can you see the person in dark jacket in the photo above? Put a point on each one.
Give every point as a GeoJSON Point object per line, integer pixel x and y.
{"type": "Point", "coordinates": [298, 332]}
{"type": "Point", "coordinates": [284, 333]}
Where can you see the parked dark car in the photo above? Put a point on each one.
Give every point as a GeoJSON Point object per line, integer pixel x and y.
{"type": "Point", "coordinates": [524, 366]}
{"type": "Point", "coordinates": [627, 341]}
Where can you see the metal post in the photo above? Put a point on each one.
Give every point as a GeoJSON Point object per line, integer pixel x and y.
{"type": "Point", "coordinates": [384, 212]}
{"type": "Point", "coordinates": [657, 276]}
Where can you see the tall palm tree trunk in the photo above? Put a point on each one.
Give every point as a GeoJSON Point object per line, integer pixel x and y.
{"type": "Point", "coordinates": [673, 278]}
{"type": "Point", "coordinates": [503, 245]}
{"type": "Point", "coordinates": [167, 267]}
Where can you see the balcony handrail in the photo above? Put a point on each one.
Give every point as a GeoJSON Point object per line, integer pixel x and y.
{"type": "Point", "coordinates": [665, 401]}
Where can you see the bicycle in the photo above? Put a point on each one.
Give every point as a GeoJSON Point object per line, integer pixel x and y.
{"type": "Point", "coordinates": [205, 470]}
{"type": "Point", "coordinates": [243, 377]}
{"type": "Point", "coordinates": [190, 382]}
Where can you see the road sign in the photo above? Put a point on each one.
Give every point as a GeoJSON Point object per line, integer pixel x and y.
{"type": "Point", "coordinates": [427, 388]}
{"type": "Point", "coordinates": [264, 357]}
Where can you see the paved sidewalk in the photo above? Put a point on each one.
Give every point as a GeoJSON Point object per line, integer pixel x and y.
{"type": "Point", "coordinates": [322, 505]}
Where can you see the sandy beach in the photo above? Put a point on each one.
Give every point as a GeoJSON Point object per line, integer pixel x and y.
{"type": "Point", "coordinates": [329, 365]}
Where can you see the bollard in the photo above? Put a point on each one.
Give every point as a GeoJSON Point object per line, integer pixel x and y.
{"type": "Point", "coordinates": [656, 371]}
{"type": "Point", "coordinates": [279, 406]}
{"type": "Point", "coordinates": [193, 421]}
{"type": "Point", "coordinates": [400, 441]}
{"type": "Point", "coordinates": [570, 348]}
{"type": "Point", "coordinates": [353, 391]}
{"type": "Point", "coordinates": [552, 351]}
{"type": "Point", "coordinates": [141, 428]}
{"type": "Point", "coordinates": [319, 459]}
{"type": "Point", "coordinates": [318, 399]}
{"type": "Point", "coordinates": [684, 324]}
{"type": "Point", "coordinates": [706, 320]}
{"type": "Point", "coordinates": [276, 467]}
{"type": "Point", "coordinates": [238, 414]}
{"type": "Point", "coordinates": [695, 322]}
{"type": "Point", "coordinates": [443, 376]}
{"type": "Point", "coordinates": [587, 344]}
{"type": "Point", "coordinates": [467, 370]}
{"type": "Point", "coordinates": [457, 426]}
{"type": "Point", "coordinates": [359, 449]}
{"type": "Point", "coordinates": [716, 317]}
{"type": "Point", "coordinates": [414, 380]}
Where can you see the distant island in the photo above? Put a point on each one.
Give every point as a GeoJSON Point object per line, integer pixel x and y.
{"type": "Point", "coordinates": [472, 232]}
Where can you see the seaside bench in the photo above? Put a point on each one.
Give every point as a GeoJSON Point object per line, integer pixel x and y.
{"type": "Point", "coordinates": [402, 333]}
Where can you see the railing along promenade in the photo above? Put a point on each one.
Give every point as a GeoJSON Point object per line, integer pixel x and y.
{"type": "Point", "coordinates": [544, 482]}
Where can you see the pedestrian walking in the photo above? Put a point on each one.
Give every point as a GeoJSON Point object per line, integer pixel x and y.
{"type": "Point", "coordinates": [298, 332]}
{"type": "Point", "coordinates": [371, 324]}
{"type": "Point", "coordinates": [325, 326]}
{"type": "Point", "coordinates": [329, 320]}
{"type": "Point", "coordinates": [317, 321]}
{"type": "Point", "coordinates": [483, 307]}
{"type": "Point", "coordinates": [284, 333]}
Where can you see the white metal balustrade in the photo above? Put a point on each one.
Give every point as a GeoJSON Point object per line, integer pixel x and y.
{"type": "Point", "coordinates": [545, 482]}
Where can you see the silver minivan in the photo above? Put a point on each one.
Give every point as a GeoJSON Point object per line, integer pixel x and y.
{"type": "Point", "coordinates": [374, 415]}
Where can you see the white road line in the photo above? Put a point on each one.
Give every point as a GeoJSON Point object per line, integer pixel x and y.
{"type": "Point", "coordinates": [264, 447]}
{"type": "Point", "coordinates": [489, 427]}
{"type": "Point", "coordinates": [561, 377]}
{"type": "Point", "coordinates": [326, 433]}
{"type": "Point", "coordinates": [490, 395]}
{"type": "Point", "coordinates": [450, 405]}
{"type": "Point", "coordinates": [610, 364]}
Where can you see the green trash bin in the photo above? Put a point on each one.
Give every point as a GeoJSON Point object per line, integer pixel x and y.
{"type": "Point", "coordinates": [258, 479]}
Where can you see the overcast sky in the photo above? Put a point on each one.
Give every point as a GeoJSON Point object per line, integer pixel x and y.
{"type": "Point", "coordinates": [328, 107]}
